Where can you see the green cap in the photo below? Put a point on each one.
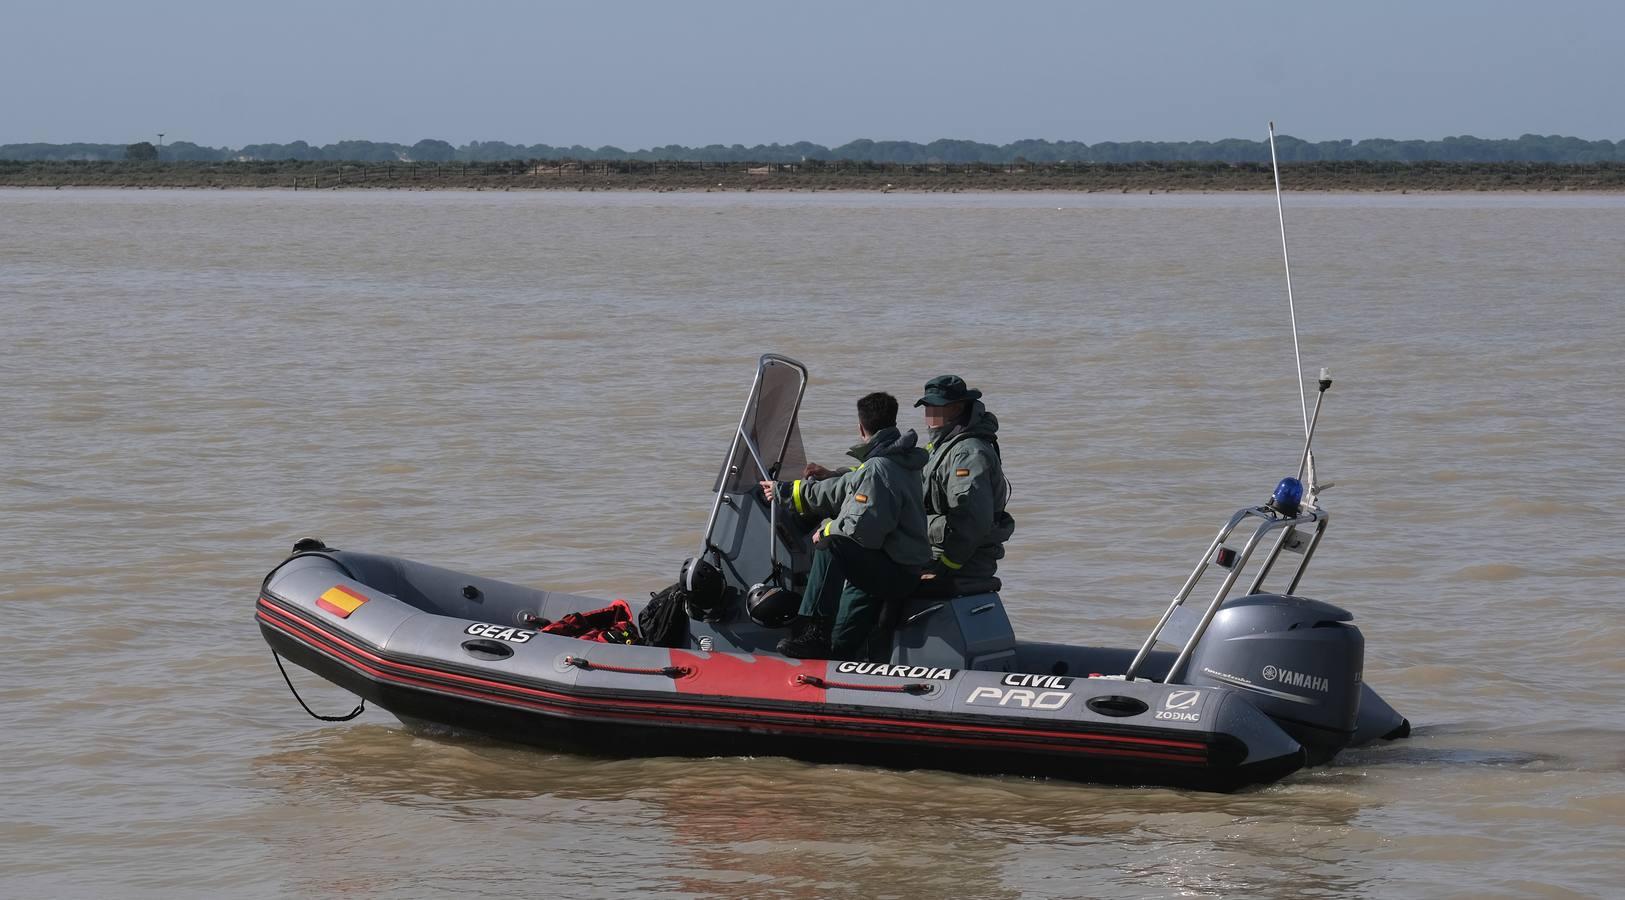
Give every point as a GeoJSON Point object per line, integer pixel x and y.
{"type": "Point", "coordinates": [945, 389]}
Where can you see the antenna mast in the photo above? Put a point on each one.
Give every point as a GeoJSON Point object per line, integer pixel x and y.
{"type": "Point", "coordinates": [1303, 397]}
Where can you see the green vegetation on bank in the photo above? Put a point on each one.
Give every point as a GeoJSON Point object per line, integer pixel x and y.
{"type": "Point", "coordinates": [819, 175]}
{"type": "Point", "coordinates": [1464, 149]}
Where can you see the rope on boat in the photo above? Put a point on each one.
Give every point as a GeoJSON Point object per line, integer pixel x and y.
{"type": "Point", "coordinates": [587, 665]}
{"type": "Point", "coordinates": [913, 688]}
{"type": "Point", "coordinates": [360, 707]}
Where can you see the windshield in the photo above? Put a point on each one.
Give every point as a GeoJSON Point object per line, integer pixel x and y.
{"type": "Point", "coordinates": [770, 425]}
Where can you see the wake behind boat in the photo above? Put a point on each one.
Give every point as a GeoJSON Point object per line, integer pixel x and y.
{"type": "Point", "coordinates": [1245, 689]}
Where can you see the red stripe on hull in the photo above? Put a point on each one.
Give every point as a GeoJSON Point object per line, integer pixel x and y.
{"type": "Point", "coordinates": [763, 678]}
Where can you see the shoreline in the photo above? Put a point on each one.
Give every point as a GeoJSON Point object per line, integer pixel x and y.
{"type": "Point", "coordinates": [1196, 192]}
{"type": "Point", "coordinates": [695, 177]}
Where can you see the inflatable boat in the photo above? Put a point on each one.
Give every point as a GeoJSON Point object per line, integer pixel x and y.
{"type": "Point", "coordinates": [1245, 688]}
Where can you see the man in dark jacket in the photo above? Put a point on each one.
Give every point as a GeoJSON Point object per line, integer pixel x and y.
{"type": "Point", "coordinates": [965, 491]}
{"type": "Point", "coordinates": [873, 546]}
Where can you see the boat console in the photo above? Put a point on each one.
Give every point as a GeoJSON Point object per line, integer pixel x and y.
{"type": "Point", "coordinates": [753, 542]}
{"type": "Point", "coordinates": [969, 632]}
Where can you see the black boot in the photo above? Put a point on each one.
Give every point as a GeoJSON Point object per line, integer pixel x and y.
{"type": "Point", "coordinates": [808, 640]}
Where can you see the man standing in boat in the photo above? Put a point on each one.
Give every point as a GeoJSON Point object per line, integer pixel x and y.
{"type": "Point", "coordinates": [873, 546]}
{"type": "Point", "coordinates": [965, 491]}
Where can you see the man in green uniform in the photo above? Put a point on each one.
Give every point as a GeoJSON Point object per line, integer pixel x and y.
{"type": "Point", "coordinates": [965, 491]}
{"type": "Point", "coordinates": [873, 546]}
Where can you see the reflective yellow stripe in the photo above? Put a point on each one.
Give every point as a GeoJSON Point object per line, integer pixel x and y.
{"type": "Point", "coordinates": [950, 563]}
{"type": "Point", "coordinates": [795, 495]}
{"type": "Point", "coordinates": [827, 527]}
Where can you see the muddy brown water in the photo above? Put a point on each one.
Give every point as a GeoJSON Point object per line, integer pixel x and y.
{"type": "Point", "coordinates": [539, 387]}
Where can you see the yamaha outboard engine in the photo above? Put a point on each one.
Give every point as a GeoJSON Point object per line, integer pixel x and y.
{"type": "Point", "coordinates": [1299, 658]}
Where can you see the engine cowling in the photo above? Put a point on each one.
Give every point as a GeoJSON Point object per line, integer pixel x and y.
{"type": "Point", "coordinates": [1300, 660]}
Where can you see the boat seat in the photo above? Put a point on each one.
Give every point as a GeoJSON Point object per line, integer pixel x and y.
{"type": "Point", "coordinates": [965, 632]}
{"type": "Point", "coordinates": [893, 610]}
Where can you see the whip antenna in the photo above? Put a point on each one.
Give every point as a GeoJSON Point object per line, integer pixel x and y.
{"type": "Point", "coordinates": [1303, 397]}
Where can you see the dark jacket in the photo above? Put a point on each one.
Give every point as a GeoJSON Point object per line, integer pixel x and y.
{"type": "Point", "coordinates": [965, 495]}
{"type": "Point", "coordinates": [878, 503]}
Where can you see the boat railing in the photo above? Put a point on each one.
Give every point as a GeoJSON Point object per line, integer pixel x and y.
{"type": "Point", "coordinates": [1299, 534]}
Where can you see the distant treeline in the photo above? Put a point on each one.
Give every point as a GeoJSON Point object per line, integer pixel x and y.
{"type": "Point", "coordinates": [1529, 148]}
{"type": "Point", "coordinates": [817, 175]}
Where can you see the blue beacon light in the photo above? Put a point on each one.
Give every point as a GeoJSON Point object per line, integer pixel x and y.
{"type": "Point", "coordinates": [1288, 497]}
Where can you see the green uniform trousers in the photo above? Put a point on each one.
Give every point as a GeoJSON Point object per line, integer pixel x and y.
{"type": "Point", "coordinates": [847, 586]}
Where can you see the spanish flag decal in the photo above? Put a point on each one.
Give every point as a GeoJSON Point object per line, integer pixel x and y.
{"type": "Point", "coordinates": [340, 601]}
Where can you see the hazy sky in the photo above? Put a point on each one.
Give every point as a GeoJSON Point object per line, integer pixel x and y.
{"type": "Point", "coordinates": [640, 74]}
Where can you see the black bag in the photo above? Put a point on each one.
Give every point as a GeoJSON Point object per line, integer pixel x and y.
{"type": "Point", "coordinates": [664, 622]}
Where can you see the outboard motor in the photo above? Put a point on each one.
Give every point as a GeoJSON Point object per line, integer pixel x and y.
{"type": "Point", "coordinates": [1300, 659]}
